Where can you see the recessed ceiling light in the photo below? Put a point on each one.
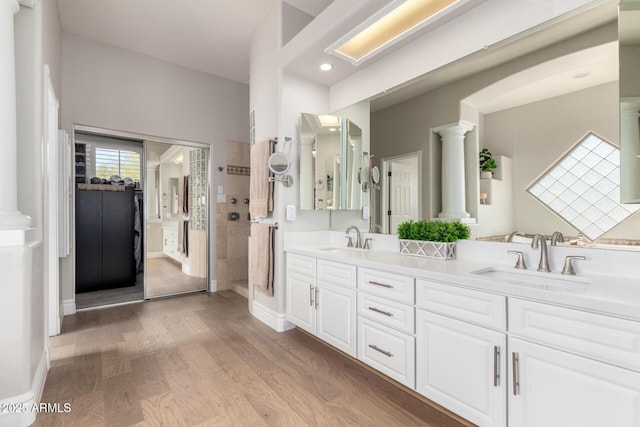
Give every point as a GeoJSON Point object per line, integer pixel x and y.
{"type": "Point", "coordinates": [332, 129]}
{"type": "Point", "coordinates": [327, 120]}
{"type": "Point", "coordinates": [326, 66]}
{"type": "Point", "coordinates": [394, 22]}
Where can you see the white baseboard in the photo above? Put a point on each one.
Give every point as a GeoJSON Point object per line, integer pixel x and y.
{"type": "Point", "coordinates": [69, 306]}
{"type": "Point", "coordinates": [155, 255]}
{"type": "Point", "coordinates": [213, 286]}
{"type": "Point", "coordinates": [276, 321]}
{"type": "Point", "coordinates": [26, 402]}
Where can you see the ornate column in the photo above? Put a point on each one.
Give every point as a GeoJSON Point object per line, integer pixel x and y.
{"type": "Point", "coordinates": [453, 177]}
{"type": "Point", "coordinates": [12, 222]}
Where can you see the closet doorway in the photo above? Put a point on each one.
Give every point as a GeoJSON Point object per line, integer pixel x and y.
{"type": "Point", "coordinates": [177, 218]}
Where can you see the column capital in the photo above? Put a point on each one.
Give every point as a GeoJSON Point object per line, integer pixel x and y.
{"type": "Point", "coordinates": [455, 128]}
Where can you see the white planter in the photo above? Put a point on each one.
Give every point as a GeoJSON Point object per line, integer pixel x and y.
{"type": "Point", "coordinates": [437, 250]}
{"type": "Point", "coordinates": [486, 174]}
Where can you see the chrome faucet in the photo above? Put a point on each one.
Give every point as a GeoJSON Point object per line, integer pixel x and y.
{"type": "Point", "coordinates": [556, 237]}
{"type": "Point", "coordinates": [541, 240]}
{"type": "Point", "coordinates": [515, 233]}
{"type": "Point", "coordinates": [358, 243]}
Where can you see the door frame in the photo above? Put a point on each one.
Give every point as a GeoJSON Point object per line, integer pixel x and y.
{"type": "Point", "coordinates": [384, 204]}
{"type": "Point", "coordinates": [210, 282]}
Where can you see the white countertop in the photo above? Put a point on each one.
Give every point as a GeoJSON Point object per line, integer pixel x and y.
{"type": "Point", "coordinates": [617, 296]}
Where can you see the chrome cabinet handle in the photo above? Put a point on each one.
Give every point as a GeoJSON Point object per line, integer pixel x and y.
{"type": "Point", "coordinates": [496, 366]}
{"type": "Point", "coordinates": [516, 381]}
{"type": "Point", "coordinates": [377, 310]}
{"type": "Point", "coordinates": [384, 285]}
{"type": "Point", "coordinates": [310, 294]}
{"type": "Point", "coordinates": [317, 299]}
{"type": "Point", "coordinates": [386, 353]}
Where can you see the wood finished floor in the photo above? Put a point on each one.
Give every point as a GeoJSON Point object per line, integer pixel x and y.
{"type": "Point", "coordinates": [203, 360]}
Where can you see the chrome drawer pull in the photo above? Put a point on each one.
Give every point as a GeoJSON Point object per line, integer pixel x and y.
{"type": "Point", "coordinates": [496, 366]}
{"type": "Point", "coordinates": [384, 285]}
{"type": "Point", "coordinates": [317, 297]}
{"type": "Point", "coordinates": [386, 353]}
{"type": "Point", "coordinates": [377, 310]}
{"type": "Point", "coordinates": [516, 381]}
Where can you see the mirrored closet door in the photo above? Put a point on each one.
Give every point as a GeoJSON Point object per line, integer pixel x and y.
{"type": "Point", "coordinates": [177, 218]}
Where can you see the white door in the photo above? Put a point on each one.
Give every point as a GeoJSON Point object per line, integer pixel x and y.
{"type": "Point", "coordinates": [462, 367]}
{"type": "Point", "coordinates": [336, 316]}
{"type": "Point", "coordinates": [300, 301]}
{"type": "Point", "coordinates": [551, 388]}
{"type": "Point", "coordinates": [402, 182]}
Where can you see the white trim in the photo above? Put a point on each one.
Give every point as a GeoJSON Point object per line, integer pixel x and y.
{"type": "Point", "coordinates": [26, 400]}
{"type": "Point", "coordinates": [213, 286]}
{"type": "Point", "coordinates": [69, 306]}
{"type": "Point", "coordinates": [276, 321]}
{"type": "Point", "coordinates": [100, 307]}
{"type": "Point", "coordinates": [156, 255]}
{"type": "Point", "coordinates": [27, 3]}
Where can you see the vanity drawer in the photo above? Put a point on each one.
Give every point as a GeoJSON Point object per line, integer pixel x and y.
{"type": "Point", "coordinates": [337, 273]}
{"type": "Point", "coordinates": [390, 352]}
{"type": "Point", "coordinates": [608, 339]}
{"type": "Point", "coordinates": [387, 285]}
{"type": "Point", "coordinates": [389, 313]}
{"type": "Point", "coordinates": [301, 264]}
{"type": "Point", "coordinates": [480, 308]}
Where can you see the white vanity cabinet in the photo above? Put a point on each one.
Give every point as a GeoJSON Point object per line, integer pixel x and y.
{"type": "Point", "coordinates": [461, 351]}
{"type": "Point", "coordinates": [386, 325]}
{"type": "Point", "coordinates": [572, 368]}
{"type": "Point", "coordinates": [170, 243]}
{"type": "Point", "coordinates": [321, 299]}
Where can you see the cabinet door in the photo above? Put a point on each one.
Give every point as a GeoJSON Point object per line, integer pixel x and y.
{"type": "Point", "coordinates": [300, 301]}
{"type": "Point", "coordinates": [88, 240]}
{"type": "Point", "coordinates": [462, 367]}
{"type": "Point", "coordinates": [336, 316]}
{"type": "Point", "coordinates": [552, 388]}
{"type": "Point", "coordinates": [118, 260]}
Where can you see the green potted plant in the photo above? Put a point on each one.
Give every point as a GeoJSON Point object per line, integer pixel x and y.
{"type": "Point", "coordinates": [487, 163]}
{"type": "Point", "coordinates": [431, 239]}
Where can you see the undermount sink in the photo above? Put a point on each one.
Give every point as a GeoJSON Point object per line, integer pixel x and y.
{"type": "Point", "coordinates": [533, 278]}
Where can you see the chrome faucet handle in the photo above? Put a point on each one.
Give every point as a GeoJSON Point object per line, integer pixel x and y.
{"type": "Point", "coordinates": [568, 265]}
{"type": "Point", "coordinates": [520, 263]}
{"type": "Point", "coordinates": [367, 243]}
{"type": "Point", "coordinates": [350, 241]}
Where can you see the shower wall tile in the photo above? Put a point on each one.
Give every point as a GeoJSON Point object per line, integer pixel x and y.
{"type": "Point", "coordinates": [222, 276]}
{"type": "Point", "coordinates": [238, 153]}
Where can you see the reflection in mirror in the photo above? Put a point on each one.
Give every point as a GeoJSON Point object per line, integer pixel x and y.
{"type": "Point", "coordinates": [278, 163]}
{"type": "Point", "coordinates": [319, 162]}
{"type": "Point", "coordinates": [176, 246]}
{"type": "Point", "coordinates": [353, 157]}
{"type": "Point", "coordinates": [531, 112]}
{"type": "Point", "coordinates": [629, 59]}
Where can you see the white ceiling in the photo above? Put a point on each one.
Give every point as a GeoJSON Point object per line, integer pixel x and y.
{"type": "Point", "coordinates": [212, 36]}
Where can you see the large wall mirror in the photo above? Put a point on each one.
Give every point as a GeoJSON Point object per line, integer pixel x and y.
{"type": "Point", "coordinates": [629, 59]}
{"type": "Point", "coordinates": [331, 161]}
{"type": "Point", "coordinates": [531, 111]}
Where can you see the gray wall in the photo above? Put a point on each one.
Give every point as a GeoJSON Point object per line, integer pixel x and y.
{"type": "Point", "coordinates": [112, 88]}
